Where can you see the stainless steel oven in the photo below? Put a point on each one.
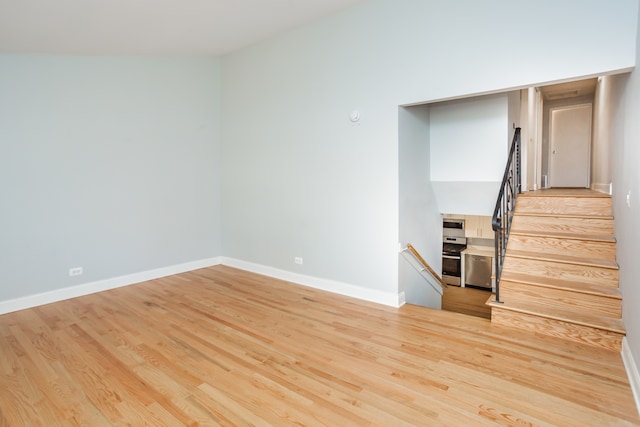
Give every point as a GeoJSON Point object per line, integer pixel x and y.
{"type": "Point", "coordinates": [453, 243]}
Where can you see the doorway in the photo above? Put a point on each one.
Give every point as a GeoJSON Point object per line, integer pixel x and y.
{"type": "Point", "coordinates": [566, 137]}
{"type": "Point", "coordinates": [570, 145]}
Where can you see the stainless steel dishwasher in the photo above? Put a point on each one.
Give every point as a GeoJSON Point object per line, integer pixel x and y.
{"type": "Point", "coordinates": [477, 271]}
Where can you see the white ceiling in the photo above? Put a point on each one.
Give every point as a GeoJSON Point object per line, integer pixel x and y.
{"type": "Point", "coordinates": [151, 27]}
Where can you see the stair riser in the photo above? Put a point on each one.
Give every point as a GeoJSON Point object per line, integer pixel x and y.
{"type": "Point", "coordinates": [561, 299]}
{"type": "Point", "coordinates": [592, 206]}
{"type": "Point", "coordinates": [560, 246]}
{"type": "Point", "coordinates": [572, 272]}
{"type": "Point", "coordinates": [557, 328]}
{"type": "Point", "coordinates": [582, 226]}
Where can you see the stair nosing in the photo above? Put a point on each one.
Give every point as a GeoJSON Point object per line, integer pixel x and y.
{"type": "Point", "coordinates": [567, 196]}
{"type": "Point", "coordinates": [561, 318]}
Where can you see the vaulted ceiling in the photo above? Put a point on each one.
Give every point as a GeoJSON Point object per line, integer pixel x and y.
{"type": "Point", "coordinates": [151, 27]}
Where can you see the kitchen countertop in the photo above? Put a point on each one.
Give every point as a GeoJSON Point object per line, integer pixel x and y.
{"type": "Point", "coordinates": [480, 250]}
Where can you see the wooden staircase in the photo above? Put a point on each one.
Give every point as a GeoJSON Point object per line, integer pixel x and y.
{"type": "Point", "coordinates": [560, 275]}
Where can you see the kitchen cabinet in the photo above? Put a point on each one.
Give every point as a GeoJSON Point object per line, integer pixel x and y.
{"type": "Point", "coordinates": [453, 216]}
{"type": "Point", "coordinates": [478, 227]}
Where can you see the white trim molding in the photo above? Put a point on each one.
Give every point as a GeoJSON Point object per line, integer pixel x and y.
{"type": "Point", "coordinates": [102, 285]}
{"type": "Point", "coordinates": [603, 188]}
{"type": "Point", "coordinates": [402, 299]}
{"type": "Point", "coordinates": [632, 371]}
{"type": "Point", "coordinates": [371, 295]}
{"type": "Point", "coordinates": [380, 297]}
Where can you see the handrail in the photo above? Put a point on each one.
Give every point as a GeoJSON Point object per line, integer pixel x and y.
{"type": "Point", "coordinates": [505, 206]}
{"type": "Point", "coordinates": [425, 265]}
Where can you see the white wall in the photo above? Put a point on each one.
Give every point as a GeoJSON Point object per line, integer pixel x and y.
{"type": "Point", "coordinates": [626, 180]}
{"type": "Point", "coordinates": [469, 147]}
{"type": "Point", "coordinates": [301, 180]}
{"type": "Point", "coordinates": [601, 141]}
{"type": "Point", "coordinates": [111, 164]}
{"type": "Point", "coordinates": [469, 139]}
{"type": "Point", "coordinates": [530, 115]}
{"type": "Point", "coordinates": [420, 222]}
{"type": "Point", "coordinates": [466, 197]}
{"type": "Point", "coordinates": [515, 111]}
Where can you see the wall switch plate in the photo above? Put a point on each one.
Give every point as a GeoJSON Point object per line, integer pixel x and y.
{"type": "Point", "coordinates": [76, 271]}
{"type": "Point", "coordinates": [298, 260]}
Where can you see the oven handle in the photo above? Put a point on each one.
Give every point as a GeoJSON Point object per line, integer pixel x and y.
{"type": "Point", "coordinates": [450, 257]}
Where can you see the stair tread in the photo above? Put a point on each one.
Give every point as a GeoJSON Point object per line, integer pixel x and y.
{"type": "Point", "coordinates": [589, 320]}
{"type": "Point", "coordinates": [565, 192]}
{"type": "Point", "coordinates": [569, 285]}
{"type": "Point", "coordinates": [565, 259]}
{"type": "Point", "coordinates": [565, 235]}
{"type": "Point", "coordinates": [525, 210]}
{"type": "Point", "coordinates": [562, 215]}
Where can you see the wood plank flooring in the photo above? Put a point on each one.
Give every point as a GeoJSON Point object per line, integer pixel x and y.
{"type": "Point", "coordinates": [220, 346]}
{"type": "Point", "coordinates": [469, 301]}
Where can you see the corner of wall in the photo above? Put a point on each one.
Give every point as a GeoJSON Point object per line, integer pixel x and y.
{"type": "Point", "coordinates": [632, 371]}
{"type": "Point", "coordinates": [341, 288]}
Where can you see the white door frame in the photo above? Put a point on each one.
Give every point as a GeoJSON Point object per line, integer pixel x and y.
{"type": "Point", "coordinates": [551, 149]}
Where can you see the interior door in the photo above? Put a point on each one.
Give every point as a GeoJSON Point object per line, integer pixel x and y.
{"type": "Point", "coordinates": [570, 146]}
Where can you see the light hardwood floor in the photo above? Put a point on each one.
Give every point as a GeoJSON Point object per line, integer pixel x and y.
{"type": "Point", "coordinates": [219, 346]}
{"type": "Point", "coordinates": [469, 301]}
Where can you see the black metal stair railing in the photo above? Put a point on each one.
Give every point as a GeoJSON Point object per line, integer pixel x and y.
{"type": "Point", "coordinates": [505, 206]}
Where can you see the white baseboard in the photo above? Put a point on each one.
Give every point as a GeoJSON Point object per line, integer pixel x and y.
{"type": "Point", "coordinates": [632, 371]}
{"type": "Point", "coordinates": [402, 299]}
{"type": "Point", "coordinates": [602, 188]}
{"type": "Point", "coordinates": [102, 285]}
{"type": "Point", "coordinates": [380, 297]}
{"type": "Point", "coordinates": [386, 298]}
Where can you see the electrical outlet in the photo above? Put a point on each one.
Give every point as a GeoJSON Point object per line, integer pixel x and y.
{"type": "Point", "coordinates": [76, 271]}
{"type": "Point", "coordinates": [298, 260]}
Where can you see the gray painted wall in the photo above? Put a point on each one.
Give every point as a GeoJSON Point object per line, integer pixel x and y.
{"type": "Point", "coordinates": [301, 180]}
{"type": "Point", "coordinates": [469, 146]}
{"type": "Point", "coordinates": [420, 221]}
{"type": "Point", "coordinates": [626, 179]}
{"type": "Point", "coordinates": [111, 164]}
{"type": "Point", "coordinates": [469, 139]}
